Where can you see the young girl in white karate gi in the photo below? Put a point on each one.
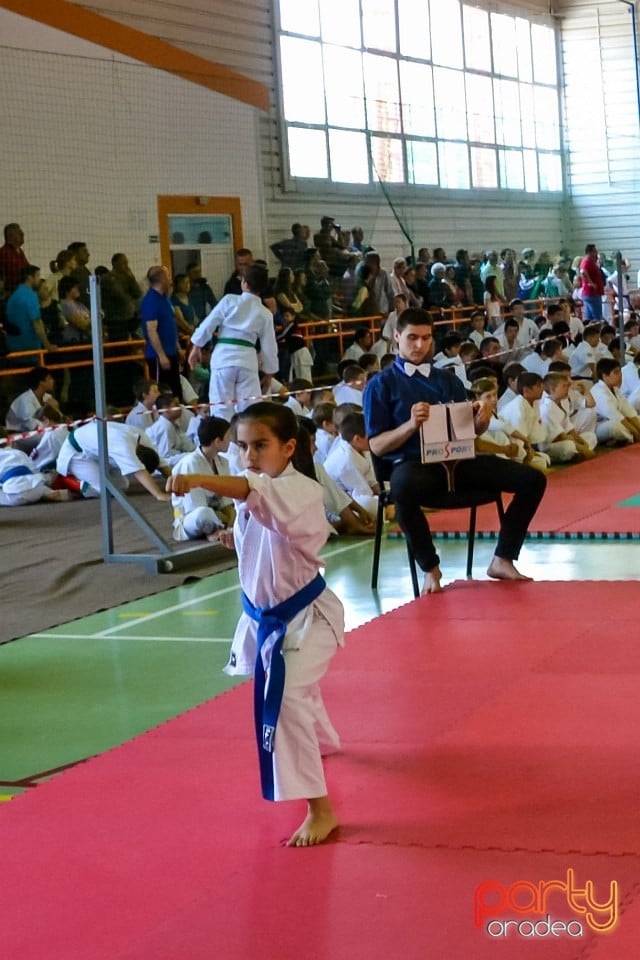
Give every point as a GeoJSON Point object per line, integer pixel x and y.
{"type": "Point", "coordinates": [279, 529]}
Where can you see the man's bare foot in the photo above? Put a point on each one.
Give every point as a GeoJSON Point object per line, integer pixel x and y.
{"type": "Point", "coordinates": [319, 822]}
{"type": "Point", "coordinates": [501, 569]}
{"type": "Point", "coordinates": [432, 582]}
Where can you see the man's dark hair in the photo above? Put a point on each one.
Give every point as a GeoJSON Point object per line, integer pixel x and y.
{"type": "Point", "coordinates": [29, 271]}
{"type": "Point", "coordinates": [243, 252]}
{"type": "Point", "coordinates": [8, 228]}
{"type": "Point", "coordinates": [76, 245]}
{"type": "Point", "coordinates": [553, 309]}
{"type": "Point", "coordinates": [559, 366]}
{"type": "Point", "coordinates": [414, 317]}
{"type": "Point", "coordinates": [352, 372]}
{"type": "Point", "coordinates": [511, 322]}
{"type": "Point", "coordinates": [450, 340]}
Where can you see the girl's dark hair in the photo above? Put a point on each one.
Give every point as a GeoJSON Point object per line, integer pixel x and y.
{"type": "Point", "coordinates": [281, 420]}
{"type": "Point", "coordinates": [303, 458]}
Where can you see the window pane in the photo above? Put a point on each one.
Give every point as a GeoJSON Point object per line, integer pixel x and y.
{"type": "Point", "coordinates": [507, 112]}
{"type": "Point", "coordinates": [386, 155]}
{"type": "Point", "coordinates": [528, 115]}
{"type": "Point", "coordinates": [544, 63]}
{"type": "Point", "coordinates": [523, 41]}
{"type": "Point", "coordinates": [422, 159]}
{"type": "Point", "coordinates": [343, 86]}
{"type": "Point", "coordinates": [340, 21]}
{"type": "Point", "coordinates": [302, 89]}
{"type": "Point", "coordinates": [477, 45]}
{"type": "Point", "coordinates": [546, 113]}
{"type": "Point", "coordinates": [454, 165]}
{"type": "Point", "coordinates": [415, 35]}
{"type": "Point", "coordinates": [550, 171]}
{"type": "Point", "coordinates": [446, 33]}
{"type": "Point", "coordinates": [483, 167]}
{"type": "Point", "coordinates": [307, 153]}
{"type": "Point", "coordinates": [379, 24]}
{"type": "Point", "coordinates": [511, 169]}
{"type": "Point", "coordinates": [417, 99]}
{"type": "Point", "coordinates": [383, 99]}
{"type": "Point", "coordinates": [505, 55]}
{"type": "Point", "coordinates": [479, 108]}
{"type": "Point", "coordinates": [451, 115]}
{"type": "Point", "coordinates": [349, 159]}
{"type": "Point", "coordinates": [530, 171]}
{"type": "Point", "coordinates": [300, 16]}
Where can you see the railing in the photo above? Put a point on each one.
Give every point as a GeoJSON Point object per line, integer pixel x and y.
{"type": "Point", "coordinates": [68, 358]}
{"type": "Point", "coordinates": [341, 329]}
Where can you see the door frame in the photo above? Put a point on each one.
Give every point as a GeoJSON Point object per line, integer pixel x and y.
{"type": "Point", "coordinates": [196, 206]}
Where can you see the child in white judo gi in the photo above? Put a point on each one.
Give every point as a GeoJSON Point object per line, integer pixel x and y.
{"type": "Point", "coordinates": [165, 434]}
{"type": "Point", "coordinates": [349, 463]}
{"type": "Point", "coordinates": [131, 453]}
{"type": "Point", "coordinates": [201, 513]}
{"type": "Point", "coordinates": [240, 323]}
{"type": "Point", "coordinates": [292, 624]}
{"type": "Point", "coordinates": [21, 482]}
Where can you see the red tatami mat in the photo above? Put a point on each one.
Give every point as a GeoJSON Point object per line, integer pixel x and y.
{"type": "Point", "coordinates": [489, 733]}
{"type": "Point", "coordinates": [581, 498]}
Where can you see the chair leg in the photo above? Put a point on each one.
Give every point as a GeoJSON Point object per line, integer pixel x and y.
{"type": "Point", "coordinates": [414, 572]}
{"type": "Point", "coordinates": [471, 536]}
{"type": "Point", "coordinates": [377, 541]}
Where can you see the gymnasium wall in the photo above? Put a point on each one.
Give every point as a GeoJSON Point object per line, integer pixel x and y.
{"type": "Point", "coordinates": [91, 138]}
{"type": "Point", "coordinates": [239, 35]}
{"type": "Point", "coordinates": [602, 126]}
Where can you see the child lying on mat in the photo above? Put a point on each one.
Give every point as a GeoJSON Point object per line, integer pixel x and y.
{"type": "Point", "coordinates": [292, 624]}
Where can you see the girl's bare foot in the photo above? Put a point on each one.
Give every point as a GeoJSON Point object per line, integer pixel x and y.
{"type": "Point", "coordinates": [319, 822]}
{"type": "Point", "coordinates": [432, 582]}
{"type": "Point", "coordinates": [501, 569]}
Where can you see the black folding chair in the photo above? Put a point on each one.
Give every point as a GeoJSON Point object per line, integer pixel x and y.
{"type": "Point", "coordinates": [451, 500]}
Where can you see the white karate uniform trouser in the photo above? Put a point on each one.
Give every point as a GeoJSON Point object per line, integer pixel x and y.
{"type": "Point", "coordinates": [88, 473]}
{"type": "Point", "coordinates": [584, 420]}
{"type": "Point", "coordinates": [561, 451]}
{"type": "Point", "coordinates": [634, 400]}
{"type": "Point", "coordinates": [304, 732]}
{"type": "Point", "coordinates": [370, 504]}
{"type": "Point", "coordinates": [612, 430]}
{"type": "Point", "coordinates": [19, 491]}
{"type": "Point", "coordinates": [200, 522]}
{"type": "Point", "coordinates": [232, 389]}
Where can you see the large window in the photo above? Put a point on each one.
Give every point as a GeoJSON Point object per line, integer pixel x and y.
{"type": "Point", "coordinates": [425, 92]}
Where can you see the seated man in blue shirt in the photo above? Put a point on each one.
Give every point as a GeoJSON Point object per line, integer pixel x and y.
{"type": "Point", "coordinates": [396, 403]}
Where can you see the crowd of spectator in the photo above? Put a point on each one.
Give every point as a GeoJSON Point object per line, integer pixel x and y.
{"type": "Point", "coordinates": [559, 381]}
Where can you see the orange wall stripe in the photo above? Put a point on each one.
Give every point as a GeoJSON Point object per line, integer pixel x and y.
{"type": "Point", "coordinates": [96, 28]}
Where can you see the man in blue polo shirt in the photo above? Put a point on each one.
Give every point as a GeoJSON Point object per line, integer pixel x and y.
{"type": "Point", "coordinates": [396, 403]}
{"type": "Point", "coordinates": [160, 330]}
{"type": "Point", "coordinates": [25, 330]}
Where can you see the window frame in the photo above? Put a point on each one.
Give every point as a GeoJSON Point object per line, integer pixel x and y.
{"type": "Point", "coordinates": [407, 189]}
